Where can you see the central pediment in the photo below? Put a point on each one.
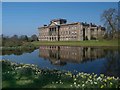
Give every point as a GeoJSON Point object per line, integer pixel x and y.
{"type": "Point", "coordinates": [52, 24]}
{"type": "Point", "coordinates": [57, 22]}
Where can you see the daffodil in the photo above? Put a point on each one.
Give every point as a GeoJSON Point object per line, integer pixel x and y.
{"type": "Point", "coordinates": [74, 83]}
{"type": "Point", "coordinates": [95, 75]}
{"type": "Point", "coordinates": [105, 80]}
{"type": "Point", "coordinates": [71, 85]}
{"type": "Point", "coordinates": [95, 82]}
{"type": "Point", "coordinates": [90, 77]}
{"type": "Point", "coordinates": [102, 75]}
{"type": "Point", "coordinates": [111, 83]}
{"type": "Point", "coordinates": [102, 86]}
{"type": "Point", "coordinates": [75, 79]}
{"type": "Point", "coordinates": [83, 85]}
{"type": "Point", "coordinates": [99, 78]}
{"type": "Point", "coordinates": [109, 78]}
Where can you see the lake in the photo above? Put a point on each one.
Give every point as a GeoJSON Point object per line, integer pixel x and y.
{"type": "Point", "coordinates": [99, 60]}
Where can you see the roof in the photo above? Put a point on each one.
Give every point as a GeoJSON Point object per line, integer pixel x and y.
{"type": "Point", "coordinates": [61, 25]}
{"type": "Point", "coordinates": [65, 24]}
{"type": "Point", "coordinates": [58, 19]}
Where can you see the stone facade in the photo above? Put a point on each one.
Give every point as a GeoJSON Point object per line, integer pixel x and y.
{"type": "Point", "coordinates": [60, 30]}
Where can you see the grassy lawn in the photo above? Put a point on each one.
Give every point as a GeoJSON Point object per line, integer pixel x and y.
{"type": "Point", "coordinates": [79, 43]}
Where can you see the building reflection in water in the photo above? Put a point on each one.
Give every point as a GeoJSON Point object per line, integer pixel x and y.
{"type": "Point", "coordinates": [61, 55]}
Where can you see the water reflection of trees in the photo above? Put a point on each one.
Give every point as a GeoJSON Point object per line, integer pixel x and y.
{"type": "Point", "coordinates": [60, 55]}
{"type": "Point", "coordinates": [16, 52]}
{"type": "Point", "coordinates": [112, 64]}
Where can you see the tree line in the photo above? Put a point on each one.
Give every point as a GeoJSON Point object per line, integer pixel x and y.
{"type": "Point", "coordinates": [16, 40]}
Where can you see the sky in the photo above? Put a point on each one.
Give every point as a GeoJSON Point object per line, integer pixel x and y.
{"type": "Point", "coordinates": [24, 18]}
{"type": "Point", "coordinates": [60, 0]}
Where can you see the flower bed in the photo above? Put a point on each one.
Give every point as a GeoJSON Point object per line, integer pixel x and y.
{"type": "Point", "coordinates": [30, 76]}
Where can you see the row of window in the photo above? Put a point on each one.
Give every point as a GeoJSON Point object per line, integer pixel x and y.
{"type": "Point", "coordinates": [57, 38]}
{"type": "Point", "coordinates": [43, 31]}
{"type": "Point", "coordinates": [69, 27]}
{"type": "Point", "coordinates": [68, 37]}
{"type": "Point", "coordinates": [61, 33]}
{"type": "Point", "coordinates": [68, 32]}
{"type": "Point", "coordinates": [52, 29]}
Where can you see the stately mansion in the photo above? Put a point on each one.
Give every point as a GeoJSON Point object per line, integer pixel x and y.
{"type": "Point", "coordinates": [60, 30]}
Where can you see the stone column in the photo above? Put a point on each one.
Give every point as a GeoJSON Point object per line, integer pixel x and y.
{"type": "Point", "coordinates": [49, 33]}
{"type": "Point", "coordinates": [52, 35]}
{"type": "Point", "coordinates": [80, 35]}
{"type": "Point", "coordinates": [89, 34]}
{"type": "Point", "coordinates": [57, 33]}
{"type": "Point", "coordinates": [95, 32]}
{"type": "Point", "coordinates": [55, 30]}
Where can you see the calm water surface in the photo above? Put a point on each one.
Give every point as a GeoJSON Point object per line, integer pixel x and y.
{"type": "Point", "coordinates": [81, 59]}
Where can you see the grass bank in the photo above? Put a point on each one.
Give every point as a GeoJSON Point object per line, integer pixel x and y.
{"type": "Point", "coordinates": [18, 50]}
{"type": "Point", "coordinates": [30, 76]}
{"type": "Point", "coordinates": [79, 43]}
{"type": "Point", "coordinates": [26, 46]}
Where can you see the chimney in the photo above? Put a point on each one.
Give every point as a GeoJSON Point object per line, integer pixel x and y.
{"type": "Point", "coordinates": [45, 25]}
{"type": "Point", "coordinates": [90, 24]}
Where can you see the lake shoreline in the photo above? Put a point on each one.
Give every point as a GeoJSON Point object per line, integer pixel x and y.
{"type": "Point", "coordinates": [52, 78]}
{"type": "Point", "coordinates": [105, 43]}
{"type": "Point", "coordinates": [37, 47]}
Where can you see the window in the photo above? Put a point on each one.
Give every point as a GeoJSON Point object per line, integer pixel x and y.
{"type": "Point", "coordinates": [75, 27]}
{"type": "Point", "coordinates": [69, 27]}
{"type": "Point", "coordinates": [75, 32]}
{"type": "Point", "coordinates": [69, 32]}
{"type": "Point", "coordinates": [66, 32]}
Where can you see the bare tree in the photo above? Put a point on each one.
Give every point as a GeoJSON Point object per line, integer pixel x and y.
{"type": "Point", "coordinates": [110, 18]}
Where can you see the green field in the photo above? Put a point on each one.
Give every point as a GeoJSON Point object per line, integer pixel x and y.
{"type": "Point", "coordinates": [79, 43]}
